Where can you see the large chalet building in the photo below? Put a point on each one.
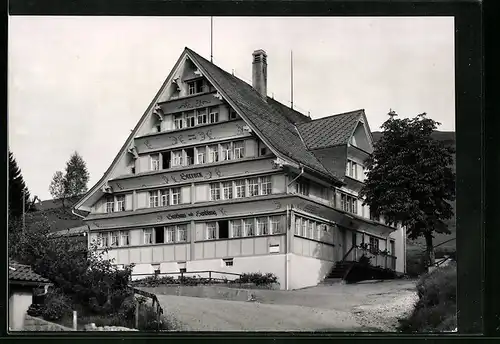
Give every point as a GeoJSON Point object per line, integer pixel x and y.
{"type": "Point", "coordinates": [217, 176]}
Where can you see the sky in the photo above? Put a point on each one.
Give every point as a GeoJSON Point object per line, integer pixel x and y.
{"type": "Point", "coordinates": [82, 83]}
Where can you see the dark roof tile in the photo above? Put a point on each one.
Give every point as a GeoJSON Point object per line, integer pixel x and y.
{"type": "Point", "coordinates": [23, 273]}
{"type": "Point", "coordinates": [330, 131]}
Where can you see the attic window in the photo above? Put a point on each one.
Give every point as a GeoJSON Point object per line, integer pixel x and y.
{"type": "Point", "coordinates": [197, 86]}
{"type": "Point", "coordinates": [232, 114]}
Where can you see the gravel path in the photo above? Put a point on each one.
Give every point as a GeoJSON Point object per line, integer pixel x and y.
{"type": "Point", "coordinates": [199, 314]}
{"type": "Point", "coordinates": [372, 306]}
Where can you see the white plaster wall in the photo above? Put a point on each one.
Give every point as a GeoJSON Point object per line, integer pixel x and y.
{"type": "Point", "coordinates": [186, 194]}
{"type": "Point", "coordinates": [268, 263]}
{"type": "Point", "coordinates": [142, 199]}
{"type": "Point", "coordinates": [307, 271]}
{"type": "Point", "coordinates": [399, 237]}
{"type": "Point", "coordinates": [279, 183]}
{"type": "Point", "coordinates": [19, 302]}
{"type": "Point", "coordinates": [128, 201]}
{"type": "Point", "coordinates": [140, 269]}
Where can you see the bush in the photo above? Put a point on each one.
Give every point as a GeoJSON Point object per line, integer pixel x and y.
{"type": "Point", "coordinates": [436, 307]}
{"type": "Point", "coordinates": [56, 306]}
{"type": "Point", "coordinates": [364, 260]}
{"type": "Point", "coordinates": [258, 278]}
{"type": "Point", "coordinates": [154, 281]}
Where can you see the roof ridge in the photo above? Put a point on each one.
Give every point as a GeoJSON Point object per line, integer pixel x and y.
{"type": "Point", "coordinates": [334, 115]}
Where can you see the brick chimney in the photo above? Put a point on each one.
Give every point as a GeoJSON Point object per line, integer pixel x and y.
{"type": "Point", "coordinates": [259, 72]}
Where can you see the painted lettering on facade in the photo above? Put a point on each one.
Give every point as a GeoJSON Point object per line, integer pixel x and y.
{"type": "Point", "coordinates": [186, 215]}
{"type": "Point", "coordinates": [193, 104]}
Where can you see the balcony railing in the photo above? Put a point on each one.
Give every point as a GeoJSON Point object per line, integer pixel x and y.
{"type": "Point", "coordinates": [377, 258]}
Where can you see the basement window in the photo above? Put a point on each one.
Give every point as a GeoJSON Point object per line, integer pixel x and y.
{"type": "Point", "coordinates": [228, 261]}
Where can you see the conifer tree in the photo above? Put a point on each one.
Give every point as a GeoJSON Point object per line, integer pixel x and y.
{"type": "Point", "coordinates": [16, 188]}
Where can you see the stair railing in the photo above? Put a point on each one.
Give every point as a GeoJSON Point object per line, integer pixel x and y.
{"type": "Point", "coordinates": [348, 252]}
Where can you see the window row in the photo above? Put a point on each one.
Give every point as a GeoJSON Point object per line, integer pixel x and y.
{"type": "Point", "coordinates": [348, 203]}
{"type": "Point", "coordinates": [165, 235]}
{"type": "Point", "coordinates": [241, 188]}
{"type": "Point", "coordinates": [164, 197]}
{"type": "Point", "coordinates": [113, 239]}
{"type": "Point", "coordinates": [198, 155]}
{"type": "Point", "coordinates": [115, 203]}
{"type": "Point", "coordinates": [193, 118]}
{"type": "Point", "coordinates": [266, 225]}
{"type": "Point", "coordinates": [311, 229]}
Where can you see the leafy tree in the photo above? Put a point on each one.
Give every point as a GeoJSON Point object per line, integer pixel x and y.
{"type": "Point", "coordinates": [56, 187]}
{"type": "Point", "coordinates": [16, 188]}
{"type": "Point", "coordinates": [73, 182]}
{"type": "Point", "coordinates": [410, 180]}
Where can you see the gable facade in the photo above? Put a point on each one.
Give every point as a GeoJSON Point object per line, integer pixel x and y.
{"type": "Point", "coordinates": [216, 176]}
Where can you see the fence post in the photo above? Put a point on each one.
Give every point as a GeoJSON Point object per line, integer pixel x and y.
{"type": "Point", "coordinates": [210, 277]}
{"type": "Point", "coordinates": [182, 277]}
{"type": "Point", "coordinates": [75, 326]}
{"type": "Point", "coordinates": [136, 314]}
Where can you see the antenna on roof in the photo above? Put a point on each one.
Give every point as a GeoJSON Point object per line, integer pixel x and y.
{"type": "Point", "coordinates": [211, 38]}
{"type": "Point", "coordinates": [291, 77]}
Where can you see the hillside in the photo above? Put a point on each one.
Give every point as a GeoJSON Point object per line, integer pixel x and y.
{"type": "Point", "coordinates": [416, 247]}
{"type": "Point", "coordinates": [59, 217]}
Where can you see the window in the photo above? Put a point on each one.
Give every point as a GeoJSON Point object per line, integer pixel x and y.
{"type": "Point", "coordinates": [305, 225]}
{"type": "Point", "coordinates": [177, 158]}
{"type": "Point", "coordinates": [239, 149]}
{"type": "Point", "coordinates": [263, 151]}
{"type": "Point", "coordinates": [182, 233]}
{"type": "Point", "coordinates": [202, 116]}
{"type": "Point", "coordinates": [211, 230]}
{"type": "Point", "coordinates": [228, 262]}
{"type": "Point", "coordinates": [120, 202]}
{"type": "Point", "coordinates": [302, 187]}
{"type": "Point", "coordinates": [265, 185]}
{"type": "Point", "coordinates": [298, 225]}
{"type": "Point", "coordinates": [262, 226]}
{"type": "Point", "coordinates": [164, 199]}
{"type": "Point", "coordinates": [200, 155]}
{"type": "Point", "coordinates": [225, 151]}
{"type": "Point", "coordinates": [249, 227]}
{"type": "Point", "coordinates": [253, 187]}
{"type": "Point", "coordinates": [114, 238]}
{"type": "Point", "coordinates": [159, 235]}
{"type": "Point", "coordinates": [189, 156]}
{"type": "Point", "coordinates": [373, 217]}
{"type": "Point", "coordinates": [352, 169]}
{"type": "Point", "coordinates": [276, 224]}
{"type": "Point", "coordinates": [110, 204]}
{"type": "Point", "coordinates": [190, 119]}
{"type": "Point", "coordinates": [178, 121]}
{"type": "Point", "coordinates": [223, 229]}
{"type": "Point", "coordinates": [191, 88]}
{"type": "Point", "coordinates": [319, 231]}
{"type": "Point", "coordinates": [153, 199]}
{"type": "Point", "coordinates": [197, 86]}
{"type": "Point", "coordinates": [214, 191]}
{"type": "Point", "coordinates": [227, 190]}
{"type": "Point", "coordinates": [102, 239]}
{"type": "Point", "coordinates": [236, 228]}
{"type": "Point", "coordinates": [214, 115]}
{"type": "Point", "coordinates": [148, 236]}
{"type": "Point", "coordinates": [155, 162]}
{"type": "Point", "coordinates": [348, 203]}
{"type": "Point", "coordinates": [124, 237]}
{"type": "Point", "coordinates": [374, 245]}
{"type": "Point", "coordinates": [240, 188]}
{"type": "Point", "coordinates": [232, 114]}
{"type": "Point", "coordinates": [176, 195]}
{"type": "Point", "coordinates": [310, 232]}
{"type": "Point", "coordinates": [213, 152]}
{"type": "Point", "coordinates": [170, 238]}
{"type": "Point", "coordinates": [165, 160]}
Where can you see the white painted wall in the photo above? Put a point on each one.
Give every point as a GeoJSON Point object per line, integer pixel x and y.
{"type": "Point", "coordinates": [307, 271]}
{"type": "Point", "coordinates": [19, 302]}
{"type": "Point", "coordinates": [399, 237]}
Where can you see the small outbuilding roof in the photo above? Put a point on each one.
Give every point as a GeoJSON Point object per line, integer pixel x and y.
{"type": "Point", "coordinates": [22, 274]}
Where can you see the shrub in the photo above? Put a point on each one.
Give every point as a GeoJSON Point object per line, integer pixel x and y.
{"type": "Point", "coordinates": [258, 278]}
{"type": "Point", "coordinates": [436, 307]}
{"type": "Point", "coordinates": [56, 306]}
{"type": "Point", "coordinates": [364, 260]}
{"type": "Point", "coordinates": [154, 281]}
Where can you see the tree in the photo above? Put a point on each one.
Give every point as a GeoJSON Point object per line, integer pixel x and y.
{"type": "Point", "coordinates": [16, 188]}
{"type": "Point", "coordinates": [56, 187]}
{"type": "Point", "coordinates": [410, 180]}
{"type": "Point", "coordinates": [73, 182]}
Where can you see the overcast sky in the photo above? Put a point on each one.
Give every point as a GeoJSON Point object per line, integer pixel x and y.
{"type": "Point", "coordinates": [82, 83]}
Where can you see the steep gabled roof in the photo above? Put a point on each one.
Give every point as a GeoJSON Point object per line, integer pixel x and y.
{"type": "Point", "coordinates": [330, 131]}
{"type": "Point", "coordinates": [268, 119]}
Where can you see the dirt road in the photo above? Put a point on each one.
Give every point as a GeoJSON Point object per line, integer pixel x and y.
{"type": "Point", "coordinates": [357, 307]}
